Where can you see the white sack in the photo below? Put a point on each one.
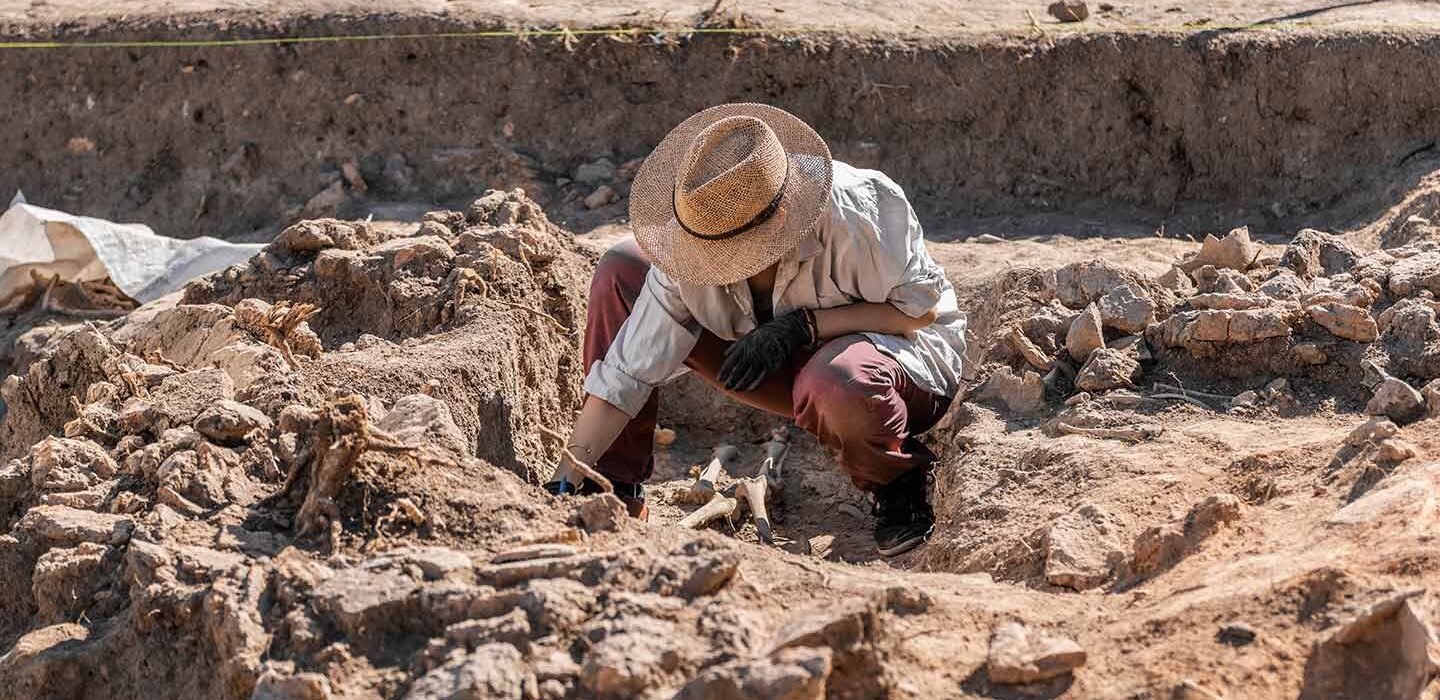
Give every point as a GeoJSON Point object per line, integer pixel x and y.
{"type": "Point", "coordinates": [142, 264]}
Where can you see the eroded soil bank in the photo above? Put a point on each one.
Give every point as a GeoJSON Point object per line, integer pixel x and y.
{"type": "Point", "coordinates": [1199, 130]}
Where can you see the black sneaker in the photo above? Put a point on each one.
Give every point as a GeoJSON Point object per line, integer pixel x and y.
{"type": "Point", "coordinates": [903, 517]}
{"type": "Point", "coordinates": [632, 495]}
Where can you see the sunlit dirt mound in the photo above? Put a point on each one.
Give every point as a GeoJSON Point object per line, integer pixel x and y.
{"type": "Point", "coordinates": [315, 477]}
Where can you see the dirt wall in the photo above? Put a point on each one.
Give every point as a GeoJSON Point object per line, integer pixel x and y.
{"type": "Point", "coordinates": [1200, 129]}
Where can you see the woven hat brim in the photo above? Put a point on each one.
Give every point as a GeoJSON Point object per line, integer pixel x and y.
{"type": "Point", "coordinates": [694, 260]}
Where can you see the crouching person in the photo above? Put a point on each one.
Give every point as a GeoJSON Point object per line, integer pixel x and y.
{"type": "Point", "coordinates": [790, 282]}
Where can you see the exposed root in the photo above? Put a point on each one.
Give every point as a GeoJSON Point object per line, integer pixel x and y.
{"type": "Point", "coordinates": [280, 322]}
{"type": "Point", "coordinates": [342, 435]}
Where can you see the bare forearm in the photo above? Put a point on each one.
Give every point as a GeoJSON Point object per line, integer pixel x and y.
{"type": "Point", "coordinates": [596, 428]}
{"type": "Point", "coordinates": [868, 318]}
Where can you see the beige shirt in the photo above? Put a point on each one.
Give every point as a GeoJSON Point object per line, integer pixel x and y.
{"type": "Point", "coordinates": [868, 247]}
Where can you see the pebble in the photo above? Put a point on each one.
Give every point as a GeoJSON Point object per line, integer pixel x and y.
{"type": "Point", "coordinates": [1019, 654]}
{"type": "Point", "coordinates": [602, 196]}
{"type": "Point", "coordinates": [1236, 634]}
{"type": "Point", "coordinates": [1069, 11]}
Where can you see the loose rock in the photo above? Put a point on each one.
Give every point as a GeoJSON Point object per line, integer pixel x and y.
{"type": "Point", "coordinates": [1082, 548]}
{"type": "Point", "coordinates": [1108, 369]}
{"type": "Point", "coordinates": [1397, 401]}
{"type": "Point", "coordinates": [1069, 10]}
{"type": "Point", "coordinates": [1019, 654]}
{"type": "Point", "coordinates": [789, 674]}
{"type": "Point", "coordinates": [1086, 334]}
{"type": "Point", "coordinates": [1235, 251]}
{"type": "Point", "coordinates": [228, 422]}
{"type": "Point", "coordinates": [1127, 309]}
{"type": "Point", "coordinates": [603, 513]}
{"type": "Point", "coordinates": [1345, 321]}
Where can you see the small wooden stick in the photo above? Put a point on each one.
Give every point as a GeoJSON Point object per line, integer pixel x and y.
{"type": "Point", "coordinates": [1182, 397]}
{"type": "Point", "coordinates": [720, 506]}
{"type": "Point", "coordinates": [584, 469]}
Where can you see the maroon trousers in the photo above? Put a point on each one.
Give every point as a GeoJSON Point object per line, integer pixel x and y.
{"type": "Point", "coordinates": [855, 399]}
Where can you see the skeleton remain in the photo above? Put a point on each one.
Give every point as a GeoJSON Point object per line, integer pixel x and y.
{"type": "Point", "coordinates": [757, 490]}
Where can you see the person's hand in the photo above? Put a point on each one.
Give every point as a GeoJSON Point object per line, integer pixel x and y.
{"type": "Point", "coordinates": [756, 356]}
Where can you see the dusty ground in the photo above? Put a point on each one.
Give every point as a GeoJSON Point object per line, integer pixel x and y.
{"type": "Point", "coordinates": [316, 475]}
{"type": "Point", "coordinates": [362, 520]}
{"type": "Point", "coordinates": [908, 17]}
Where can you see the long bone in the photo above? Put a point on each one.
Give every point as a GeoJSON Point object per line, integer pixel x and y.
{"type": "Point", "coordinates": [753, 491]}
{"type": "Point", "coordinates": [776, 449]}
{"type": "Point", "coordinates": [704, 487]}
{"type": "Point", "coordinates": [719, 506]}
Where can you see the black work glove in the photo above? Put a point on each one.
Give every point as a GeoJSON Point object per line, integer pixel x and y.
{"type": "Point", "coordinates": [756, 356]}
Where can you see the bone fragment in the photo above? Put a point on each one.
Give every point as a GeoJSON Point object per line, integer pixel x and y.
{"type": "Point", "coordinates": [753, 491]}
{"type": "Point", "coordinates": [720, 506]}
{"type": "Point", "coordinates": [704, 487]}
{"type": "Point", "coordinates": [775, 452]}
{"type": "Point", "coordinates": [1133, 433]}
{"type": "Point", "coordinates": [1028, 350]}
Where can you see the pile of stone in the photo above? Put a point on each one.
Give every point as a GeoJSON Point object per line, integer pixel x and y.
{"type": "Point", "coordinates": [185, 512]}
{"type": "Point", "coordinates": [1228, 312]}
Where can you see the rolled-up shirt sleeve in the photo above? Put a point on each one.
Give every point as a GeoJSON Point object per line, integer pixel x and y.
{"type": "Point", "coordinates": [651, 346]}
{"type": "Point", "coordinates": [885, 257]}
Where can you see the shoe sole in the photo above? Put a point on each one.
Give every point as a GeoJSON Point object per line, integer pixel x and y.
{"type": "Point", "coordinates": [902, 547]}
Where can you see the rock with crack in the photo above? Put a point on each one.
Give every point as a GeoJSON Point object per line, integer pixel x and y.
{"type": "Point", "coordinates": [1345, 321]}
{"type": "Point", "coordinates": [1411, 274]}
{"type": "Point", "coordinates": [67, 464]}
{"type": "Point", "coordinates": [629, 658]}
{"type": "Point", "coordinates": [1396, 400]}
{"type": "Point", "coordinates": [790, 674]}
{"type": "Point", "coordinates": [1019, 654]}
{"type": "Point", "coordinates": [1086, 334]}
{"type": "Point", "coordinates": [697, 568]}
{"type": "Point", "coordinates": [1023, 394]}
{"type": "Point", "coordinates": [1431, 392]}
{"type": "Point", "coordinates": [603, 512]}
{"type": "Point", "coordinates": [364, 603]}
{"type": "Point", "coordinates": [228, 422]}
{"type": "Point", "coordinates": [492, 672]}
{"type": "Point", "coordinates": [1235, 251]}
{"type": "Point", "coordinates": [417, 419]}
{"type": "Point", "coordinates": [1107, 369]}
{"type": "Point", "coordinates": [1372, 431]}
{"type": "Point", "coordinates": [1128, 309]}
{"type": "Point", "coordinates": [1385, 652]}
{"type": "Point", "coordinates": [1082, 548]}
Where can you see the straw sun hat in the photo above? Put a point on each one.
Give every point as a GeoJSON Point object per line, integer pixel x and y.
{"type": "Point", "coordinates": [729, 192]}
